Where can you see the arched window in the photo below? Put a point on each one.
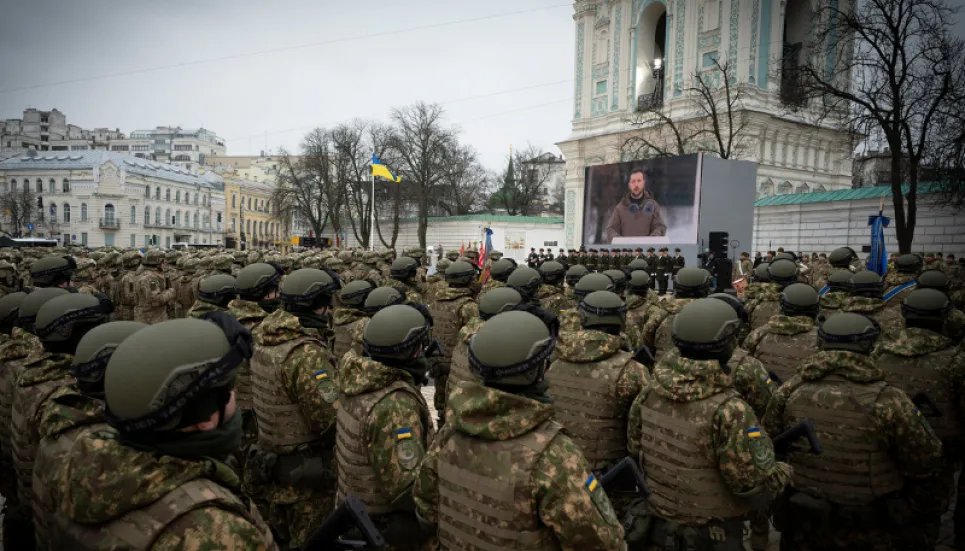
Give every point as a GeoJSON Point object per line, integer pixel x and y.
{"type": "Point", "coordinates": [233, 225]}
{"type": "Point", "coordinates": [261, 228]}
{"type": "Point", "coordinates": [249, 201]}
{"type": "Point", "coordinates": [147, 192]}
{"type": "Point", "coordinates": [167, 194]}
{"type": "Point", "coordinates": [233, 199]}
{"type": "Point", "coordinates": [66, 213]}
{"type": "Point", "coordinates": [195, 220]}
{"type": "Point", "coordinates": [157, 193]}
{"type": "Point", "coordinates": [248, 227]}
{"type": "Point", "coordinates": [51, 186]}
{"type": "Point", "coordinates": [53, 211]}
{"type": "Point", "coordinates": [40, 186]}
{"type": "Point", "coordinates": [109, 214]}
{"type": "Point", "coordinates": [147, 215]}
{"type": "Point", "coordinates": [177, 196]}
{"type": "Point", "coordinates": [133, 215]}
{"type": "Point", "coordinates": [167, 217]}
{"type": "Point", "coordinates": [66, 184]}
{"type": "Point", "coordinates": [177, 218]}
{"type": "Point", "coordinates": [83, 212]}
{"type": "Point", "coordinates": [195, 197]}
{"type": "Point", "coordinates": [13, 185]}
{"type": "Point", "coordinates": [651, 56]}
{"type": "Point", "coordinates": [157, 216]}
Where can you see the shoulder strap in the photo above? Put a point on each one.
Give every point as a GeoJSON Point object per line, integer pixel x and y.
{"type": "Point", "coordinates": [890, 294]}
{"type": "Point", "coordinates": [824, 290]}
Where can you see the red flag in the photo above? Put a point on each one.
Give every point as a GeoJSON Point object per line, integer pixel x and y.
{"type": "Point", "coordinates": [462, 250]}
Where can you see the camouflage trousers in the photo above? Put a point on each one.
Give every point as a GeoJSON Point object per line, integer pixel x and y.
{"type": "Point", "coordinates": [294, 521]}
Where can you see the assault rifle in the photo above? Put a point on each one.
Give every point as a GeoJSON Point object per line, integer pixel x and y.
{"type": "Point", "coordinates": [927, 405]}
{"type": "Point", "coordinates": [784, 442]}
{"type": "Point", "coordinates": [351, 514]}
{"type": "Point", "coordinates": [624, 478]}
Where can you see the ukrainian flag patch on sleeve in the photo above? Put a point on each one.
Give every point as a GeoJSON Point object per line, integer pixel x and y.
{"type": "Point", "coordinates": [754, 432]}
{"type": "Point", "coordinates": [591, 483]}
{"type": "Point", "coordinates": [403, 434]}
{"type": "Point", "coordinates": [319, 375]}
{"type": "Point", "coordinates": [767, 381]}
{"type": "Point", "coordinates": [918, 412]}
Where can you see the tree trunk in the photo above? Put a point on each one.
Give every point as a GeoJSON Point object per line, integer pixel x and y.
{"type": "Point", "coordinates": [903, 233]}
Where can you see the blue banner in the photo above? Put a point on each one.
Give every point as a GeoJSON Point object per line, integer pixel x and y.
{"type": "Point", "coordinates": [878, 261]}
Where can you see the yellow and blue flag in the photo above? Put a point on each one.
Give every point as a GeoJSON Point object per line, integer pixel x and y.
{"type": "Point", "coordinates": [591, 483]}
{"type": "Point", "coordinates": [319, 375]}
{"type": "Point", "coordinates": [403, 434]}
{"type": "Point", "coordinates": [753, 432]}
{"type": "Point", "coordinates": [379, 169]}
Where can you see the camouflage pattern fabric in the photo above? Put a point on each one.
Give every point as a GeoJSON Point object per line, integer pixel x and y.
{"type": "Point", "coordinates": [783, 343]}
{"type": "Point", "coordinates": [889, 319]}
{"type": "Point", "coordinates": [250, 315]}
{"type": "Point", "coordinates": [639, 311]}
{"type": "Point", "coordinates": [657, 331]}
{"type": "Point", "coordinates": [459, 370]}
{"type": "Point", "coordinates": [412, 292]}
{"type": "Point", "coordinates": [104, 482]}
{"type": "Point", "coordinates": [832, 301]}
{"type": "Point", "coordinates": [765, 304]}
{"type": "Point", "coordinates": [186, 293]}
{"type": "Point", "coordinates": [295, 511]}
{"type": "Point", "coordinates": [201, 308]}
{"type": "Point", "coordinates": [343, 319]}
{"type": "Point", "coordinates": [575, 511]}
{"type": "Point", "coordinates": [153, 297]}
{"type": "Point", "coordinates": [554, 300]}
{"type": "Point", "coordinates": [491, 284]}
{"type": "Point", "coordinates": [451, 308]}
{"type": "Point", "coordinates": [127, 296]}
{"type": "Point", "coordinates": [936, 264]}
{"type": "Point", "coordinates": [820, 272]}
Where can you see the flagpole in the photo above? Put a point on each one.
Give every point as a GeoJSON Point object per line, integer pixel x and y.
{"type": "Point", "coordinates": [372, 217]}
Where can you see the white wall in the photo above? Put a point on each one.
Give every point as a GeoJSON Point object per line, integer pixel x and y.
{"type": "Point", "coordinates": [825, 226]}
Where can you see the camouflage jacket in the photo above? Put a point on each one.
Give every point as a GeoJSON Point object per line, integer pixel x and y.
{"type": "Point", "coordinates": [411, 291]}
{"type": "Point", "coordinates": [152, 291]}
{"type": "Point", "coordinates": [832, 300]}
{"type": "Point", "coordinates": [569, 505]}
{"type": "Point", "coordinates": [911, 441]}
{"type": "Point", "coordinates": [397, 411]}
{"type": "Point", "coordinates": [749, 378]}
{"type": "Point", "coordinates": [745, 461]}
{"type": "Point", "coordinates": [103, 481]}
{"type": "Point", "coordinates": [889, 319]}
{"type": "Point", "coordinates": [201, 308]}
{"type": "Point", "coordinates": [249, 313]}
{"type": "Point", "coordinates": [491, 284]}
{"type": "Point", "coordinates": [639, 311]}
{"type": "Point", "coordinates": [656, 331]}
{"type": "Point", "coordinates": [554, 300]}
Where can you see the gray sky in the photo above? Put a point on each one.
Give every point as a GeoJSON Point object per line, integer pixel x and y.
{"type": "Point", "coordinates": [45, 41]}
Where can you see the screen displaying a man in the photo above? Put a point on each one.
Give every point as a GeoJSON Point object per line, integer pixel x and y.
{"type": "Point", "coordinates": [637, 214]}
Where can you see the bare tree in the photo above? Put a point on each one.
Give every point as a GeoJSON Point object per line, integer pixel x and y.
{"type": "Point", "coordinates": [465, 185]}
{"type": "Point", "coordinates": [308, 186]}
{"type": "Point", "coordinates": [558, 197]}
{"type": "Point", "coordinates": [352, 165]}
{"type": "Point", "coordinates": [422, 143]}
{"type": "Point", "coordinates": [525, 183]}
{"type": "Point", "coordinates": [389, 198]}
{"type": "Point", "coordinates": [898, 67]}
{"type": "Point", "coordinates": [20, 207]}
{"type": "Point", "coordinates": [712, 120]}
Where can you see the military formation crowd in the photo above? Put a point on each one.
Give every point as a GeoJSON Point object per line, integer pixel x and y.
{"type": "Point", "coordinates": [207, 400]}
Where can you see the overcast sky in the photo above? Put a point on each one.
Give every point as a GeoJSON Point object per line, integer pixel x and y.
{"type": "Point", "coordinates": [44, 43]}
{"type": "Point", "coordinates": [286, 93]}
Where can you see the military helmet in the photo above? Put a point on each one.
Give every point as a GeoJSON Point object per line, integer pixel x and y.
{"type": "Point", "coordinates": [190, 265]}
{"type": "Point", "coordinates": [370, 257]}
{"type": "Point", "coordinates": [849, 331]}
{"type": "Point", "coordinates": [512, 349]}
{"type": "Point", "coordinates": [415, 252]}
{"type": "Point", "coordinates": [130, 260]}
{"type": "Point", "coordinates": [150, 385]}
{"type": "Point", "coordinates": [10, 310]}
{"type": "Point", "coordinates": [692, 283]}
{"type": "Point", "coordinates": [592, 282]}
{"type": "Point", "coordinates": [404, 268]}
{"type": "Point", "coordinates": [926, 305]}
{"type": "Point", "coordinates": [388, 255]}
{"type": "Point", "coordinates": [63, 320]}
{"type": "Point", "coordinates": [85, 270]}
{"type": "Point", "coordinates": [222, 262]}
{"type": "Point", "coordinates": [639, 282]}
{"type": "Point", "coordinates": [334, 264]}
{"type": "Point", "coordinates": [786, 256]}
{"type": "Point", "coordinates": [172, 257]}
{"type": "Point", "coordinates": [619, 280]}
{"type": "Point", "coordinates": [840, 280]}
{"type": "Point", "coordinates": [239, 257]}
{"type": "Point", "coordinates": [153, 257]}
{"type": "Point", "coordinates": [27, 315]}
{"type": "Point", "coordinates": [257, 280]}
{"type": "Point", "coordinates": [443, 265]}
{"type": "Point", "coordinates": [552, 272]}
{"type": "Point", "coordinates": [353, 294]}
{"type": "Point", "coordinates": [866, 284]}
{"type": "Point", "coordinates": [706, 330]}
{"type": "Point", "coordinates": [97, 255]}
{"type": "Point", "coordinates": [760, 273]}
{"type": "Point", "coordinates": [106, 261]}
{"type": "Point", "coordinates": [452, 256]}
{"type": "Point", "coordinates": [526, 280]}
{"type": "Point", "coordinates": [574, 273]}
{"type": "Point", "coordinates": [94, 351]}
{"type": "Point", "coordinates": [933, 279]}
{"type": "Point", "coordinates": [253, 257]}
{"type": "Point", "coordinates": [602, 309]}
{"type": "Point", "coordinates": [800, 299]}
{"type": "Point", "coordinates": [500, 269]}
{"type": "Point", "coordinates": [908, 264]}
{"type": "Point", "coordinates": [460, 273]}
{"type": "Point", "coordinates": [396, 333]}
{"type": "Point", "coordinates": [497, 301]}
{"type": "Point", "coordinates": [842, 257]}
{"type": "Point", "coordinates": [309, 288]}
{"type": "Point", "coordinates": [639, 264]}
{"type": "Point", "coordinates": [219, 289]}
{"type": "Point", "coordinates": [382, 297]}
{"type": "Point", "coordinates": [782, 271]}
{"type": "Point", "coordinates": [52, 270]}
{"type": "Point", "coordinates": [735, 303]}
{"type": "Point", "coordinates": [496, 255]}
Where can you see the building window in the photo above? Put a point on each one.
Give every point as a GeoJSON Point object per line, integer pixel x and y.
{"type": "Point", "coordinates": [195, 219]}
{"type": "Point", "coordinates": [119, 148]}
{"type": "Point", "coordinates": [601, 88]}
{"type": "Point", "coordinates": [157, 216]}
{"type": "Point", "coordinates": [157, 193]}
{"type": "Point", "coordinates": [147, 192]}
{"type": "Point", "coordinates": [147, 215]}
{"type": "Point", "coordinates": [66, 213]}
{"type": "Point", "coordinates": [232, 225]}
{"type": "Point", "coordinates": [40, 186]}
{"type": "Point", "coordinates": [167, 194]}
{"type": "Point", "coordinates": [83, 238]}
{"type": "Point", "coordinates": [66, 183]}
{"type": "Point", "coordinates": [51, 186]}
{"type": "Point", "coordinates": [195, 198]}
{"type": "Point", "coordinates": [109, 214]}
{"type": "Point", "coordinates": [167, 217]}
{"type": "Point", "coordinates": [147, 240]}
{"type": "Point", "coordinates": [108, 239]}
{"type": "Point", "coordinates": [177, 218]}
{"type": "Point", "coordinates": [53, 213]}
{"type": "Point", "coordinates": [249, 201]}
{"type": "Point", "coordinates": [83, 212]}
{"type": "Point", "coordinates": [133, 215]}
{"type": "Point", "coordinates": [133, 244]}
{"type": "Point", "coordinates": [13, 185]}
{"type": "Point", "coordinates": [233, 197]}
{"type": "Point", "coordinates": [177, 196]}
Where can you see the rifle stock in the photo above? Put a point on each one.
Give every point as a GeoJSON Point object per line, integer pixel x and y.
{"type": "Point", "coordinates": [784, 442]}
{"type": "Point", "coordinates": [625, 478]}
{"type": "Point", "coordinates": [350, 514]}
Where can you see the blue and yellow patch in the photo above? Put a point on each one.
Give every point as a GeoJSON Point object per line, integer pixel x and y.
{"type": "Point", "coordinates": [319, 375]}
{"type": "Point", "coordinates": [591, 483]}
{"type": "Point", "coordinates": [753, 432]}
{"type": "Point", "coordinates": [918, 412]}
{"type": "Point", "coordinates": [767, 381]}
{"type": "Point", "coordinates": [403, 434]}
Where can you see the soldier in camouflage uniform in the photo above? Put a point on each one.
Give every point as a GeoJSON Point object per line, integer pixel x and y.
{"type": "Point", "coordinates": [551, 295]}
{"type": "Point", "coordinates": [789, 338]}
{"type": "Point", "coordinates": [499, 272]}
{"type": "Point", "coordinates": [186, 287]}
{"type": "Point", "coordinates": [593, 380]}
{"type": "Point", "coordinates": [71, 411]}
{"type": "Point", "coordinates": [368, 267]}
{"type": "Point", "coordinates": [570, 320]}
{"type": "Point", "coordinates": [572, 277]}
{"type": "Point", "coordinates": [60, 324]}
{"type": "Point", "coordinates": [767, 301]}
{"type": "Point", "coordinates": [691, 284]}
{"type": "Point", "coordinates": [9, 280]}
{"type": "Point", "coordinates": [291, 466]}
{"type": "Point", "coordinates": [451, 308]}
{"type": "Point", "coordinates": [132, 486]}
{"type": "Point", "coordinates": [907, 267]}
{"type": "Point", "coordinates": [383, 425]}
{"type": "Point", "coordinates": [528, 282]}
{"type": "Point", "coordinates": [437, 281]}
{"type": "Point", "coordinates": [127, 286]}
{"type": "Point", "coordinates": [352, 298]}
{"type": "Point", "coordinates": [83, 277]}
{"type": "Point", "coordinates": [402, 275]}
{"type": "Point", "coordinates": [642, 304]}
{"type": "Point", "coordinates": [214, 294]}
{"type": "Point", "coordinates": [865, 298]}
{"type": "Point", "coordinates": [52, 271]}
{"type": "Point", "coordinates": [503, 464]}
{"type": "Point", "coordinates": [700, 497]}
{"type": "Point", "coordinates": [955, 320]}
{"type": "Point", "coordinates": [873, 486]}
{"type": "Point", "coordinates": [379, 298]}
{"type": "Point", "coordinates": [933, 261]}
{"type": "Point", "coordinates": [619, 279]}
{"type": "Point", "coordinates": [924, 359]}
{"type": "Point", "coordinates": [153, 293]}
{"type": "Point", "coordinates": [836, 291]}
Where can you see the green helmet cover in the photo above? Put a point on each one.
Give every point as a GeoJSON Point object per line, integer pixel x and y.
{"type": "Point", "coordinates": [602, 309]}
{"type": "Point", "coordinates": [396, 332]}
{"type": "Point", "coordinates": [800, 299]}
{"type": "Point", "coordinates": [706, 329]}
{"type": "Point", "coordinates": [593, 282]}
{"type": "Point", "coordinates": [511, 349]}
{"type": "Point", "coordinates": [382, 297]}
{"type": "Point", "coordinates": [866, 284]}
{"type": "Point", "coordinates": [933, 279]}
{"type": "Point", "coordinates": [841, 257]}
{"type": "Point", "coordinates": [219, 289]}
{"type": "Point", "coordinates": [497, 301]}
{"type": "Point", "coordinates": [692, 283]}
{"type": "Point", "coordinates": [782, 271]}
{"type": "Point", "coordinates": [33, 302]}
{"type": "Point", "coordinates": [639, 282]}
{"type": "Point", "coordinates": [574, 273]}
{"type": "Point", "coordinates": [552, 272]}
{"type": "Point", "coordinates": [308, 288]}
{"type": "Point", "coordinates": [354, 294]}
{"type": "Point", "coordinates": [257, 280]}
{"type": "Point", "coordinates": [94, 351]}
{"type": "Point", "coordinates": [526, 280]}
{"type": "Point", "coordinates": [849, 331]}
{"type": "Point", "coordinates": [502, 268]}
{"type": "Point", "coordinates": [619, 280]}
{"type": "Point", "coordinates": [404, 268]}
{"type": "Point", "coordinates": [908, 264]}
